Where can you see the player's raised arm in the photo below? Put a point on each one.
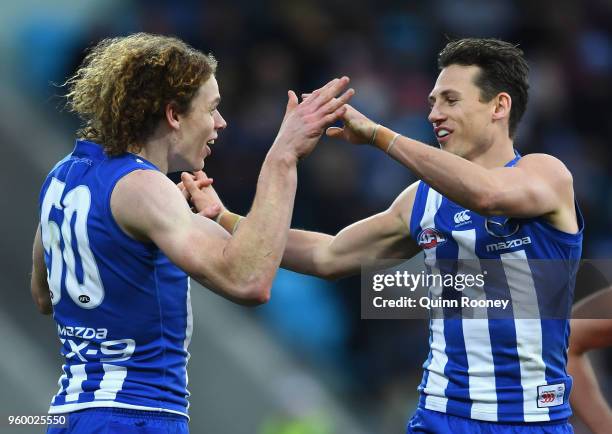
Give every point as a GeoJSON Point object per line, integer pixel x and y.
{"type": "Point", "coordinates": [538, 185]}
{"type": "Point", "coordinates": [476, 105]}
{"type": "Point", "coordinates": [590, 333]}
{"type": "Point", "coordinates": [39, 286]}
{"type": "Point", "coordinates": [149, 207]}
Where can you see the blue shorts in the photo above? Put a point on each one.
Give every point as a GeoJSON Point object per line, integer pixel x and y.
{"type": "Point", "coordinates": [429, 421]}
{"type": "Point", "coordinates": [121, 421]}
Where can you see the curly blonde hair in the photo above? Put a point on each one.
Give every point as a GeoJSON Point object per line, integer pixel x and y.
{"type": "Point", "coordinates": [124, 84]}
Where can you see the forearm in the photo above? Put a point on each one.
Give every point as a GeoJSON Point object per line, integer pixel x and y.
{"type": "Point", "coordinates": [458, 179]}
{"type": "Point", "coordinates": [39, 287]}
{"type": "Point", "coordinates": [380, 236]}
{"type": "Point", "coordinates": [257, 246]}
{"type": "Point", "coordinates": [41, 295]}
{"type": "Point", "coordinates": [304, 253]}
{"type": "Point", "coordinates": [586, 398]}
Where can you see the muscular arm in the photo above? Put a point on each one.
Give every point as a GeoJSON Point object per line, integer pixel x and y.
{"type": "Point", "coordinates": [539, 184]}
{"type": "Point", "coordinates": [38, 283]}
{"type": "Point", "coordinates": [384, 235]}
{"type": "Point", "coordinates": [149, 207]}
{"type": "Point", "coordinates": [587, 399]}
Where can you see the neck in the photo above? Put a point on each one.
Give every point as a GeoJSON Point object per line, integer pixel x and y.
{"type": "Point", "coordinates": [155, 150]}
{"type": "Point", "coordinates": [496, 155]}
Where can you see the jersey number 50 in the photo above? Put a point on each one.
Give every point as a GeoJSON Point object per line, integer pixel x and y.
{"type": "Point", "coordinates": [89, 293]}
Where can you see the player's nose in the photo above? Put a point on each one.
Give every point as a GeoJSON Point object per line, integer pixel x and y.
{"type": "Point", "coordinates": [435, 115]}
{"type": "Point", "coordinates": [220, 123]}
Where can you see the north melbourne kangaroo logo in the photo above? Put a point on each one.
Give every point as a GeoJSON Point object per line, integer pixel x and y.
{"type": "Point", "coordinates": [462, 217]}
{"type": "Point", "coordinates": [501, 227]}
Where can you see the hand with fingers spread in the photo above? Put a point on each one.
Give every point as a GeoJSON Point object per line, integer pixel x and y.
{"type": "Point", "coordinates": [305, 122]}
{"type": "Point", "coordinates": [357, 128]}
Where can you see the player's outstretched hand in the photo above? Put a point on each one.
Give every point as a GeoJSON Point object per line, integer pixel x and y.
{"type": "Point", "coordinates": [356, 128]}
{"type": "Point", "coordinates": [305, 122]}
{"type": "Point", "coordinates": [200, 194]}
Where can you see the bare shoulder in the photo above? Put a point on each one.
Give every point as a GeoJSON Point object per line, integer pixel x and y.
{"type": "Point", "coordinates": [145, 200]}
{"type": "Point", "coordinates": [546, 165]}
{"type": "Point", "coordinates": [552, 178]}
{"type": "Point", "coordinates": [549, 173]}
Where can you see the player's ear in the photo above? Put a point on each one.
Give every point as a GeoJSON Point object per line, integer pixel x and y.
{"type": "Point", "coordinates": [172, 116]}
{"type": "Point", "coordinates": [503, 104]}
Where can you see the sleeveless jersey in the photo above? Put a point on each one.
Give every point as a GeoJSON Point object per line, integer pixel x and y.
{"type": "Point", "coordinates": [497, 369]}
{"type": "Point", "coordinates": [122, 309]}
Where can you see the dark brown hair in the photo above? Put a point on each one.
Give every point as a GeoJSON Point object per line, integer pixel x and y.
{"type": "Point", "coordinates": [502, 69]}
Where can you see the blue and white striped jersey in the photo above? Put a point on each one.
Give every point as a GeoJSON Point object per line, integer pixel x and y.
{"type": "Point", "coordinates": [497, 369]}
{"type": "Point", "coordinates": [122, 309]}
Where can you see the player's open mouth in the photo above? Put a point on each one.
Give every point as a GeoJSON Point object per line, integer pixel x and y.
{"type": "Point", "coordinates": [208, 145]}
{"type": "Point", "coordinates": [442, 133]}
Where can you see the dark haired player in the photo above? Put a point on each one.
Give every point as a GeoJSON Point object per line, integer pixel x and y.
{"type": "Point", "coordinates": [476, 199]}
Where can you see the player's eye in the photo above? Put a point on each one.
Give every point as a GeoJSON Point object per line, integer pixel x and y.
{"type": "Point", "coordinates": [452, 101]}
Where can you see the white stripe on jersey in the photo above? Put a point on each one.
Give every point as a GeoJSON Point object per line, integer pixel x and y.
{"type": "Point", "coordinates": [59, 383]}
{"type": "Point", "coordinates": [528, 332]}
{"type": "Point", "coordinates": [437, 382]}
{"type": "Point", "coordinates": [76, 381]}
{"type": "Point", "coordinates": [187, 341]}
{"type": "Point", "coordinates": [481, 369]}
{"type": "Point", "coordinates": [189, 327]}
{"type": "Point", "coordinates": [112, 381]}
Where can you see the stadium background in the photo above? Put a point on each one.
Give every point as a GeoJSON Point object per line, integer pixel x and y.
{"type": "Point", "coordinates": [306, 362]}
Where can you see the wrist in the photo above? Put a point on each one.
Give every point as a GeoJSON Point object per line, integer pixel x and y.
{"type": "Point", "coordinates": [218, 216]}
{"type": "Point", "coordinates": [229, 221]}
{"type": "Point", "coordinates": [282, 157]}
{"type": "Point", "coordinates": [384, 138]}
{"type": "Point", "coordinates": [374, 134]}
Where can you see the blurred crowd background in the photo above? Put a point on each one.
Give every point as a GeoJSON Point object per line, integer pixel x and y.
{"type": "Point", "coordinates": [369, 369]}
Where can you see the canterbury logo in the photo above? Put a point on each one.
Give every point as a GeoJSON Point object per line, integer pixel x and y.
{"type": "Point", "coordinates": [462, 217]}
{"type": "Point", "coordinates": [547, 397]}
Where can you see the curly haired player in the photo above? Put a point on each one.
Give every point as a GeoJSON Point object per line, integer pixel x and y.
{"type": "Point", "coordinates": [117, 240]}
